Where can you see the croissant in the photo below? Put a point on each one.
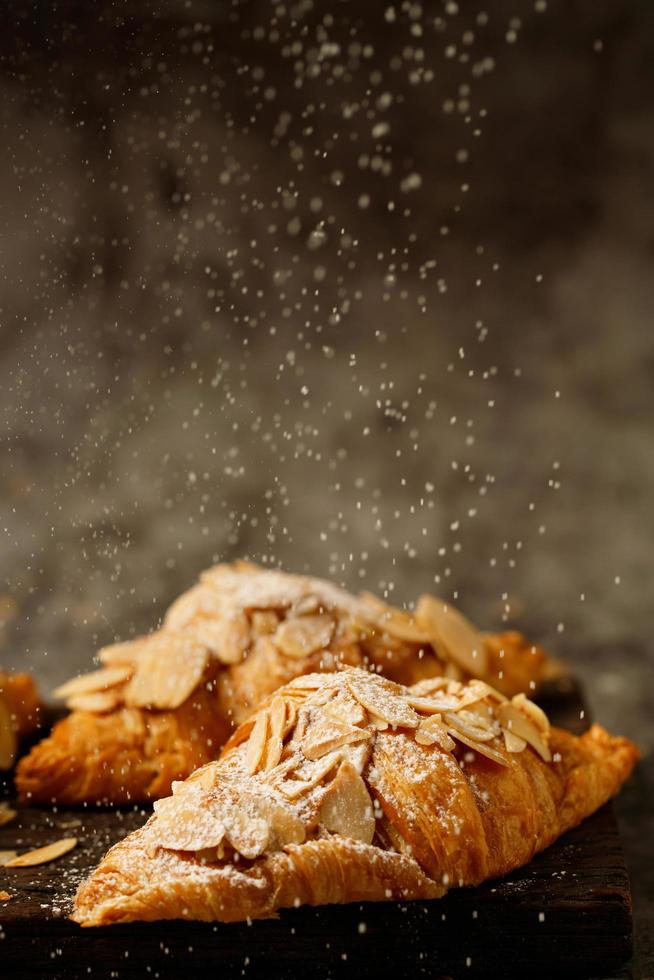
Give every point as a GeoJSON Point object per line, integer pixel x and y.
{"type": "Point", "coordinates": [20, 714]}
{"type": "Point", "coordinates": [163, 705]}
{"type": "Point", "coordinates": [347, 787]}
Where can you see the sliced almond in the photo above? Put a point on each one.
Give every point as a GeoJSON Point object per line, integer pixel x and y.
{"type": "Point", "coordinates": [120, 654]}
{"type": "Point", "coordinates": [441, 701]}
{"type": "Point", "coordinates": [97, 680]}
{"type": "Point", "coordinates": [170, 668]}
{"type": "Point", "coordinates": [327, 734]}
{"type": "Point", "coordinates": [513, 742]}
{"type": "Point", "coordinates": [264, 622]}
{"type": "Point", "coordinates": [8, 737]}
{"type": "Point", "coordinates": [189, 820]}
{"type": "Point", "coordinates": [6, 856]}
{"type": "Point", "coordinates": [516, 722]}
{"type": "Point", "coordinates": [471, 725]}
{"type": "Point", "coordinates": [432, 731]}
{"type": "Point", "coordinates": [5, 896]}
{"type": "Point", "coordinates": [429, 686]}
{"type": "Point", "coordinates": [533, 712]}
{"type": "Point", "coordinates": [382, 698]}
{"type": "Point", "coordinates": [346, 807]}
{"type": "Point", "coordinates": [274, 744]}
{"type": "Point", "coordinates": [314, 774]}
{"type": "Point", "coordinates": [483, 748]}
{"type": "Point", "coordinates": [452, 634]}
{"type": "Point", "coordinates": [303, 635]}
{"type": "Point", "coordinates": [396, 622]}
{"type": "Point", "coordinates": [228, 637]}
{"type": "Point", "coordinates": [97, 702]}
{"type": "Point", "coordinates": [42, 855]}
{"type": "Point", "coordinates": [6, 814]}
{"type": "Point", "coordinates": [256, 745]}
{"type": "Point", "coordinates": [347, 709]}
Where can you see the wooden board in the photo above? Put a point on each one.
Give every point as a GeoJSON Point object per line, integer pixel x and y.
{"type": "Point", "coordinates": [567, 914]}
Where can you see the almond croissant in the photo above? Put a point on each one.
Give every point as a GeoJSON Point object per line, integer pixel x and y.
{"type": "Point", "coordinates": [347, 787]}
{"type": "Point", "coordinates": [163, 705]}
{"type": "Point", "coordinates": [20, 714]}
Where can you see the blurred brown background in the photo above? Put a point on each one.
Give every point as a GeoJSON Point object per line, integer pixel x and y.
{"type": "Point", "coordinates": [363, 289]}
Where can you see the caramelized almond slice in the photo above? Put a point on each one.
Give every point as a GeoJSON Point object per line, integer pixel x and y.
{"type": "Point", "coordinates": [428, 687]}
{"type": "Point", "coordinates": [395, 622]}
{"type": "Point", "coordinates": [256, 745]}
{"type": "Point", "coordinates": [519, 724]}
{"type": "Point", "coordinates": [302, 636]}
{"type": "Point", "coordinates": [169, 670]}
{"type": "Point", "coordinates": [533, 712]}
{"type": "Point", "coordinates": [264, 622]}
{"type": "Point", "coordinates": [248, 834]}
{"type": "Point", "coordinates": [274, 744]}
{"type": "Point", "coordinates": [8, 737]}
{"type": "Point", "coordinates": [346, 807]}
{"type": "Point", "coordinates": [483, 748]}
{"type": "Point", "coordinates": [42, 855]}
{"type": "Point", "coordinates": [471, 725]}
{"type": "Point", "coordinates": [6, 814]}
{"type": "Point", "coordinates": [452, 634]}
{"type": "Point", "coordinates": [198, 601]}
{"type": "Point", "coordinates": [384, 699]}
{"type": "Point", "coordinates": [121, 654]}
{"type": "Point", "coordinates": [434, 705]}
{"type": "Point", "coordinates": [327, 734]}
{"type": "Point", "coordinates": [476, 691]}
{"type": "Point", "coordinates": [97, 680]}
{"type": "Point", "coordinates": [6, 856]}
{"type": "Point", "coordinates": [513, 742]}
{"type": "Point", "coordinates": [431, 730]}
{"type": "Point", "coordinates": [189, 820]}
{"type": "Point", "coordinates": [228, 637]}
{"type": "Point", "coordinates": [310, 776]}
{"type": "Point", "coordinates": [305, 683]}
{"type": "Point", "coordinates": [347, 709]}
{"type": "Point", "coordinates": [96, 702]}
{"type": "Point", "coordinates": [284, 825]}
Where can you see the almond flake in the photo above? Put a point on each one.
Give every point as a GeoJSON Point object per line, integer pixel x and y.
{"type": "Point", "coordinates": [513, 742]}
{"type": "Point", "coordinates": [228, 637]}
{"type": "Point", "coordinates": [6, 856]}
{"type": "Point", "coordinates": [431, 730]}
{"type": "Point", "coordinates": [5, 896]}
{"type": "Point", "coordinates": [396, 622]}
{"type": "Point", "coordinates": [120, 654]}
{"type": "Point", "coordinates": [434, 705]}
{"type": "Point", "coordinates": [519, 724]}
{"type": "Point", "coordinates": [302, 636]}
{"type": "Point", "coordinates": [97, 680]}
{"type": "Point", "coordinates": [346, 807]}
{"type": "Point", "coordinates": [274, 745]}
{"type": "Point", "coordinates": [96, 702]}
{"type": "Point", "coordinates": [382, 698]}
{"type": "Point", "coordinates": [170, 668]}
{"type": "Point", "coordinates": [6, 814]}
{"type": "Point", "coordinates": [189, 820]}
{"type": "Point", "coordinates": [257, 743]}
{"type": "Point", "coordinates": [533, 712]}
{"type": "Point", "coordinates": [8, 737]}
{"type": "Point", "coordinates": [314, 774]}
{"type": "Point", "coordinates": [453, 635]}
{"type": "Point", "coordinates": [467, 723]}
{"type": "Point", "coordinates": [483, 748]}
{"type": "Point", "coordinates": [327, 734]}
{"type": "Point", "coordinates": [264, 622]}
{"type": "Point", "coordinates": [42, 855]}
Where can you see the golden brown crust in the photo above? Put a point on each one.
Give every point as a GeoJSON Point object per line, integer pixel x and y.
{"type": "Point", "coordinates": [139, 722]}
{"type": "Point", "coordinates": [445, 815]}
